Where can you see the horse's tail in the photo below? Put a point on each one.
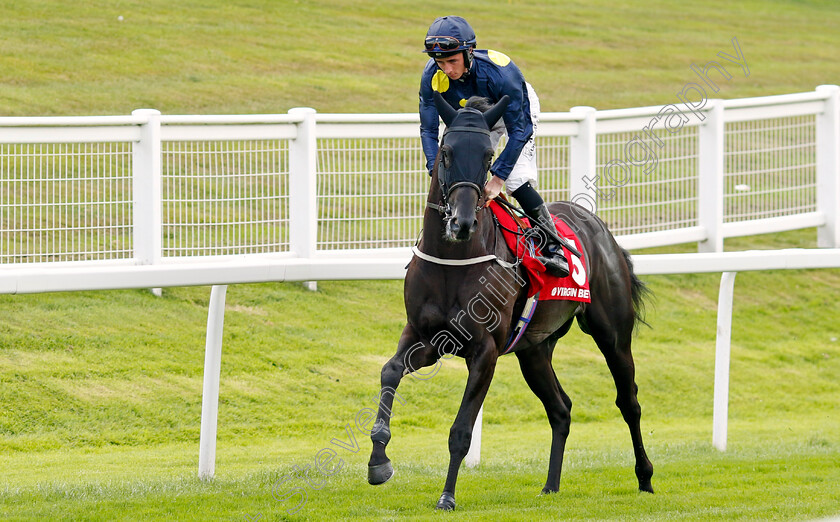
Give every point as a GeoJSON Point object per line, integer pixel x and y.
{"type": "Point", "coordinates": [639, 292]}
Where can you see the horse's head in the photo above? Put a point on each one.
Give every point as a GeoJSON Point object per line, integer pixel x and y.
{"type": "Point", "coordinates": [464, 160]}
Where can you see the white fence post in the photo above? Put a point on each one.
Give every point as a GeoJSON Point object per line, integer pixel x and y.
{"type": "Point", "coordinates": [212, 376]}
{"type": "Point", "coordinates": [710, 152]}
{"type": "Point", "coordinates": [146, 176]}
{"type": "Point", "coordinates": [583, 163]}
{"type": "Point", "coordinates": [303, 202]}
{"type": "Point", "coordinates": [828, 167]}
{"type": "Point", "coordinates": [723, 348]}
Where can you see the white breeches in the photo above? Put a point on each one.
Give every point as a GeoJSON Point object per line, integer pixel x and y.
{"type": "Point", "coordinates": [525, 169]}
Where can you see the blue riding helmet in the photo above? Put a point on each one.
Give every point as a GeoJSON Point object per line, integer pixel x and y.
{"type": "Point", "coordinates": [448, 35]}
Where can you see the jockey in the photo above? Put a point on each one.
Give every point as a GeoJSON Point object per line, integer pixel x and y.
{"type": "Point", "coordinates": [457, 70]}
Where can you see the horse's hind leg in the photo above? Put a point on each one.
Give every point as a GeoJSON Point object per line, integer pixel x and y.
{"type": "Point", "coordinates": [535, 364]}
{"type": "Point", "coordinates": [411, 356]}
{"type": "Point", "coordinates": [613, 338]}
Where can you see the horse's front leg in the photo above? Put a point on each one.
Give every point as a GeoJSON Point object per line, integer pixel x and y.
{"type": "Point", "coordinates": [481, 366]}
{"type": "Point", "coordinates": [412, 355]}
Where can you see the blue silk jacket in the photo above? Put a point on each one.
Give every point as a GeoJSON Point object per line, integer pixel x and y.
{"type": "Point", "coordinates": [492, 75]}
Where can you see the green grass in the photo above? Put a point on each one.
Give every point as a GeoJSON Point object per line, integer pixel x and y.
{"type": "Point", "coordinates": [100, 392]}
{"type": "Point", "coordinates": [101, 407]}
{"type": "Point", "coordinates": [786, 480]}
{"type": "Point", "coordinates": [268, 56]}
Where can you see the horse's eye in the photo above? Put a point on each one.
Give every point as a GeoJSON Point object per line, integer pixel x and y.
{"type": "Point", "coordinates": [488, 157]}
{"type": "Point", "coordinates": [446, 156]}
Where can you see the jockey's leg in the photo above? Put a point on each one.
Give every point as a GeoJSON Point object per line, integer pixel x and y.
{"type": "Point", "coordinates": [552, 245]}
{"type": "Point", "coordinates": [520, 184]}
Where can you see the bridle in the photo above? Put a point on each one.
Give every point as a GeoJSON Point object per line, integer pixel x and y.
{"type": "Point", "coordinates": [445, 187]}
{"type": "Point", "coordinates": [457, 122]}
{"type": "Point", "coordinates": [446, 210]}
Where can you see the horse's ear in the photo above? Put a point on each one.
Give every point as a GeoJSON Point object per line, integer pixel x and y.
{"type": "Point", "coordinates": [495, 112]}
{"type": "Point", "coordinates": [447, 113]}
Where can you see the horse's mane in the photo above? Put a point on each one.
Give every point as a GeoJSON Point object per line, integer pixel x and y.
{"type": "Point", "coordinates": [483, 104]}
{"type": "Point", "coordinates": [479, 102]}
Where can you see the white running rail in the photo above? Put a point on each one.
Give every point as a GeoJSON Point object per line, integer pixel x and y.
{"type": "Point", "coordinates": [148, 200]}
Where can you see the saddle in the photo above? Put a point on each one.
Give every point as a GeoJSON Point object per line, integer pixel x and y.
{"type": "Point", "coordinates": [516, 231]}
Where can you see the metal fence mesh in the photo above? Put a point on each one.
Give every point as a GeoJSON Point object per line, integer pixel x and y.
{"type": "Point", "coordinates": [74, 201]}
{"type": "Point", "coordinates": [770, 168]}
{"type": "Point", "coordinates": [553, 167]}
{"type": "Point", "coordinates": [659, 191]}
{"type": "Point", "coordinates": [65, 202]}
{"type": "Point", "coordinates": [371, 192]}
{"type": "Point", "coordinates": [225, 197]}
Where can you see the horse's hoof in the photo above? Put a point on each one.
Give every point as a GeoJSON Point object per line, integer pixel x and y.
{"type": "Point", "coordinates": [646, 486]}
{"type": "Point", "coordinates": [546, 491]}
{"type": "Point", "coordinates": [446, 502]}
{"type": "Point", "coordinates": [380, 473]}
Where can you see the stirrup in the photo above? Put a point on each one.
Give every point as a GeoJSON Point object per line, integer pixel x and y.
{"type": "Point", "coordinates": [555, 262]}
{"type": "Point", "coordinates": [556, 265]}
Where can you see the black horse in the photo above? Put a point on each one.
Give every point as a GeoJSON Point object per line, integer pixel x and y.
{"type": "Point", "coordinates": [464, 293]}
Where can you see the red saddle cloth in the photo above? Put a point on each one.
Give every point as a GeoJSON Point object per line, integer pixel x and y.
{"type": "Point", "coordinates": [574, 287]}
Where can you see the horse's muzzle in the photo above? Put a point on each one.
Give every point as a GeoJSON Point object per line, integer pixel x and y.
{"type": "Point", "coordinates": [460, 228]}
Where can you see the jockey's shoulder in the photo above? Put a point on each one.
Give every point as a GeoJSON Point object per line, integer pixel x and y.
{"type": "Point", "coordinates": [496, 58]}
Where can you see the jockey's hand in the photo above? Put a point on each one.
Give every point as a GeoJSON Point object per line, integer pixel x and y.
{"type": "Point", "coordinates": [493, 187]}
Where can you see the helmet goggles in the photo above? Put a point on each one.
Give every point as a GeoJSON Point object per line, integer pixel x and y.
{"type": "Point", "coordinates": [445, 44]}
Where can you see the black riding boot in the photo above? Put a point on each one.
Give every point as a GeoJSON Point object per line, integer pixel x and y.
{"type": "Point", "coordinates": [553, 258]}
{"type": "Point", "coordinates": [534, 206]}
